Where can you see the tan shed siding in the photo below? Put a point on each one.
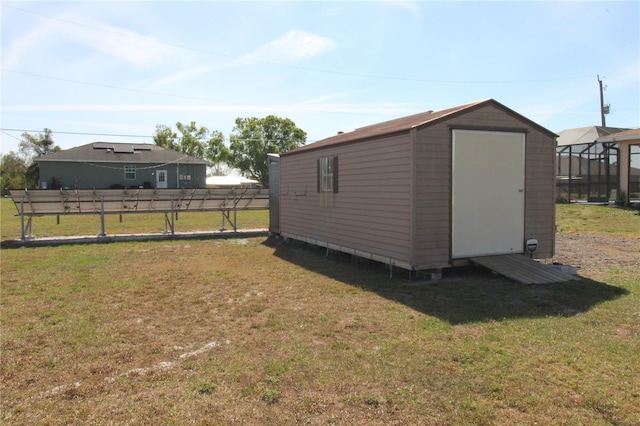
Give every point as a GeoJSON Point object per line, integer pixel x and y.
{"type": "Point", "coordinates": [489, 115]}
{"type": "Point", "coordinates": [394, 197]}
{"type": "Point", "coordinates": [432, 198]}
{"type": "Point", "coordinates": [432, 213]}
{"type": "Point", "coordinates": [540, 192]}
{"type": "Point", "coordinates": [370, 212]}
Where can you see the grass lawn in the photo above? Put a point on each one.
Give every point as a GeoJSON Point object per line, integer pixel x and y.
{"type": "Point", "coordinates": [597, 219]}
{"type": "Point", "coordinates": [253, 331]}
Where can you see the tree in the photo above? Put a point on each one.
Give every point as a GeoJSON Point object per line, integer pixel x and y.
{"type": "Point", "coordinates": [13, 170]}
{"type": "Point", "coordinates": [32, 175]}
{"type": "Point", "coordinates": [37, 145]}
{"type": "Point", "coordinates": [165, 137]}
{"type": "Point", "coordinates": [217, 153]}
{"type": "Point", "coordinates": [195, 141]}
{"type": "Point", "coordinates": [192, 141]}
{"type": "Point", "coordinates": [33, 146]}
{"type": "Point", "coordinates": [253, 138]}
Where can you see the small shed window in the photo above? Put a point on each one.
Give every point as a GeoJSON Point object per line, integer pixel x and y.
{"type": "Point", "coordinates": [328, 174]}
{"type": "Point", "coordinates": [129, 172]}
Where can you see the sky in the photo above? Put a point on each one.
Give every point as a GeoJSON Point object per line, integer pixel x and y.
{"type": "Point", "coordinates": [113, 71]}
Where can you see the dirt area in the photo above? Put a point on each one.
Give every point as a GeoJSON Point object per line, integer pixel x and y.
{"type": "Point", "coordinates": [593, 254]}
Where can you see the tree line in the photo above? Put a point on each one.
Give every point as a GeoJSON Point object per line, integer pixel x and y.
{"type": "Point", "coordinates": [19, 170]}
{"type": "Point", "coordinates": [249, 143]}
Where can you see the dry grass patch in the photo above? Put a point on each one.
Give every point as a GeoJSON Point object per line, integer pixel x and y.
{"type": "Point", "coordinates": [257, 332]}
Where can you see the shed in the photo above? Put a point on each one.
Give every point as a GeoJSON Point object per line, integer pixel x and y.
{"type": "Point", "coordinates": [120, 165]}
{"type": "Point", "coordinates": [423, 192]}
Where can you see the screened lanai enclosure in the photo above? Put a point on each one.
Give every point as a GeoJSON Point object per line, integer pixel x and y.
{"type": "Point", "coordinates": [587, 172]}
{"type": "Point", "coordinates": [593, 166]}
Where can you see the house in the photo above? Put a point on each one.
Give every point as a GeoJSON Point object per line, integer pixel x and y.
{"type": "Point", "coordinates": [587, 169]}
{"type": "Point", "coordinates": [120, 165]}
{"type": "Point", "coordinates": [423, 192]}
{"type": "Point", "coordinates": [627, 144]}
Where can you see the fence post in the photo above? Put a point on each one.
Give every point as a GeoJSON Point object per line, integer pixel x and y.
{"type": "Point", "coordinates": [235, 220]}
{"type": "Point", "coordinates": [102, 232]}
{"type": "Point", "coordinates": [172, 222]}
{"type": "Point", "coordinates": [22, 218]}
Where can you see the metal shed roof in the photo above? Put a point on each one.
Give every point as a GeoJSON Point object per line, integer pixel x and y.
{"type": "Point", "coordinates": [407, 123]}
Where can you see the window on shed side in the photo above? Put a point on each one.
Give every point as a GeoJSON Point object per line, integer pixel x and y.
{"type": "Point", "coordinates": [129, 172]}
{"type": "Point", "coordinates": [328, 174]}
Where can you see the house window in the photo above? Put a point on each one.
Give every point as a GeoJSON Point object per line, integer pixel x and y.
{"type": "Point", "coordinates": [328, 174]}
{"type": "Point", "coordinates": [129, 172]}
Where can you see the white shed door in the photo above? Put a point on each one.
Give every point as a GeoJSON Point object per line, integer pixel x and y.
{"type": "Point", "coordinates": [488, 193]}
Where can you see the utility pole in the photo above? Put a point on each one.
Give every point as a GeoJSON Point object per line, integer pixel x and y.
{"type": "Point", "coordinates": [604, 109]}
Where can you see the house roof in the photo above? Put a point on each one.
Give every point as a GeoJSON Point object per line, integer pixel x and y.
{"type": "Point", "coordinates": [627, 135]}
{"type": "Point", "coordinates": [583, 135]}
{"type": "Point", "coordinates": [131, 153]}
{"type": "Point", "coordinates": [404, 124]}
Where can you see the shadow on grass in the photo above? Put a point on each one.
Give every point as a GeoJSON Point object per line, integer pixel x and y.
{"type": "Point", "coordinates": [464, 295]}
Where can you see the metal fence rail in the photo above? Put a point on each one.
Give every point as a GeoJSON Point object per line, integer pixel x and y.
{"type": "Point", "coordinates": [42, 202]}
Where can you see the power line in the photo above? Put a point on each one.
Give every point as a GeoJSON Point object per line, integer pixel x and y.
{"type": "Point", "coordinates": [4, 130]}
{"type": "Point", "coordinates": [151, 92]}
{"type": "Point", "coordinates": [126, 35]}
{"type": "Point", "coordinates": [7, 134]}
{"type": "Point", "coordinates": [75, 133]}
{"type": "Point", "coordinates": [107, 86]}
{"type": "Point", "coordinates": [155, 166]}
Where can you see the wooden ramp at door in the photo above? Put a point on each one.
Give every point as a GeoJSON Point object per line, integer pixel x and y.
{"type": "Point", "coordinates": [523, 269]}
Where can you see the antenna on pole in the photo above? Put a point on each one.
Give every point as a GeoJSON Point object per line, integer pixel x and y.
{"type": "Point", "coordinates": [604, 109]}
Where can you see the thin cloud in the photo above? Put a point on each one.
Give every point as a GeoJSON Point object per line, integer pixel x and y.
{"type": "Point", "coordinates": [74, 27]}
{"type": "Point", "coordinates": [409, 6]}
{"type": "Point", "coordinates": [130, 47]}
{"type": "Point", "coordinates": [38, 37]}
{"type": "Point", "coordinates": [292, 47]}
{"type": "Point", "coordinates": [186, 75]}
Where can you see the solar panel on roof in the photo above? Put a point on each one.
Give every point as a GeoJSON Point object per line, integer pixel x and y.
{"type": "Point", "coordinates": [102, 145]}
{"type": "Point", "coordinates": [123, 149]}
